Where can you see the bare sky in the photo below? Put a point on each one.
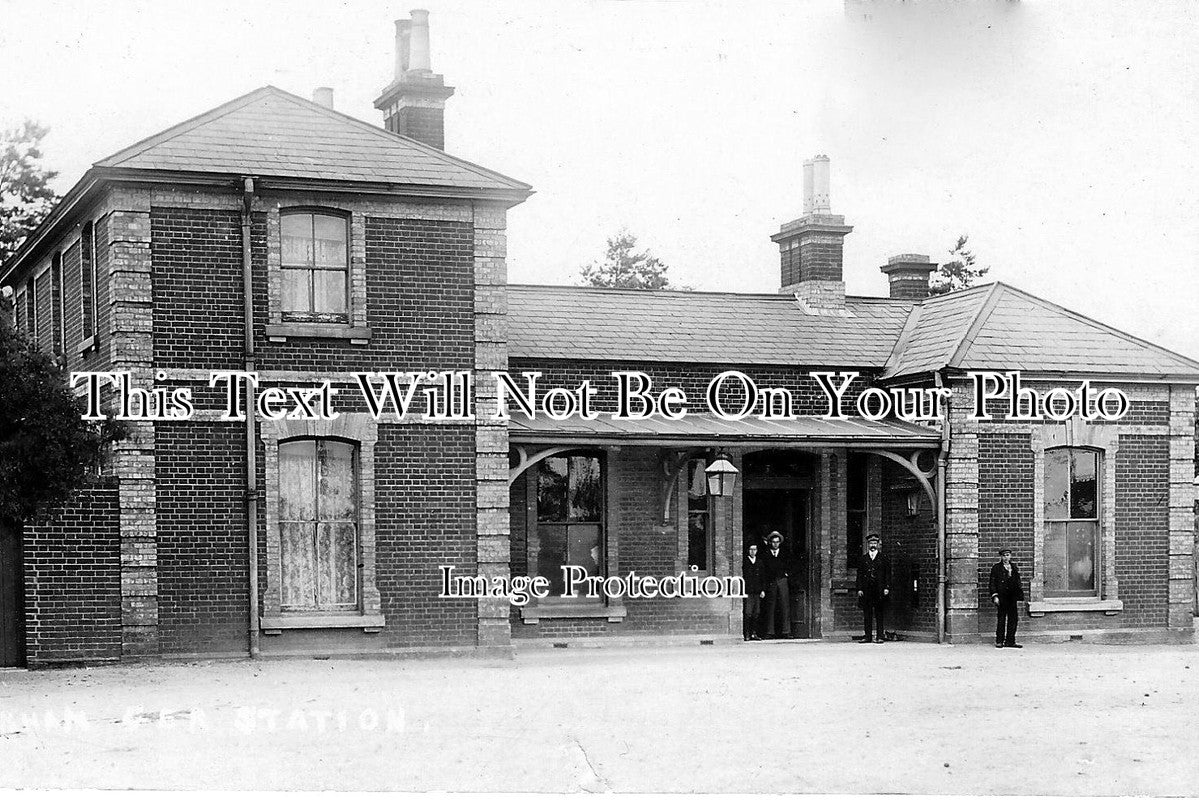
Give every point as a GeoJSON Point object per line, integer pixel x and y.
{"type": "Point", "coordinates": [1060, 135]}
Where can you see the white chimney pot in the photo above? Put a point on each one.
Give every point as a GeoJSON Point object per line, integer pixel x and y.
{"type": "Point", "coordinates": [323, 95]}
{"type": "Point", "coordinates": [808, 188]}
{"type": "Point", "coordinates": [820, 186]}
{"type": "Point", "coordinates": [418, 45]}
{"type": "Point", "coordinates": [403, 31]}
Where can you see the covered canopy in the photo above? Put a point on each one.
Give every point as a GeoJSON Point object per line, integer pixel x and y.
{"type": "Point", "coordinates": [696, 430]}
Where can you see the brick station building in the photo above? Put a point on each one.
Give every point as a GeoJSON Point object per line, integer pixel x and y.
{"type": "Point", "coordinates": [276, 235]}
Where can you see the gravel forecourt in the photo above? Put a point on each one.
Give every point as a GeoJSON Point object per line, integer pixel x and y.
{"type": "Point", "coordinates": [837, 718]}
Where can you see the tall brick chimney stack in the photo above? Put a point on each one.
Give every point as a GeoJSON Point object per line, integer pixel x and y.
{"type": "Point", "coordinates": [810, 248]}
{"type": "Point", "coordinates": [413, 104]}
{"type": "Point", "coordinates": [908, 275]}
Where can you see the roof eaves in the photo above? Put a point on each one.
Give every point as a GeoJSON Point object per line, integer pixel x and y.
{"type": "Point", "coordinates": [1179, 378]}
{"type": "Point", "coordinates": [196, 177]}
{"type": "Point", "coordinates": [671, 293]}
{"type": "Point", "coordinates": [62, 211]}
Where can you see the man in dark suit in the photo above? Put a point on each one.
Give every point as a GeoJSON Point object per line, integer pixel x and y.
{"type": "Point", "coordinates": [774, 579]}
{"type": "Point", "coordinates": [751, 616]}
{"type": "Point", "coordinates": [1006, 592]}
{"type": "Point", "coordinates": [874, 588]}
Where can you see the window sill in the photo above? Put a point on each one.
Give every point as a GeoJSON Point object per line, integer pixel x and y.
{"type": "Point", "coordinates": [571, 609]}
{"type": "Point", "coordinates": [1039, 608]}
{"type": "Point", "coordinates": [87, 344]}
{"type": "Point", "coordinates": [369, 623]}
{"type": "Point", "coordinates": [318, 330]}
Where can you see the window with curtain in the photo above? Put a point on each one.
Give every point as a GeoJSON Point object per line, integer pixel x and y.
{"type": "Point", "coordinates": [1071, 546]}
{"type": "Point", "coordinates": [318, 517]}
{"type": "Point", "coordinates": [314, 259]}
{"type": "Point", "coordinates": [699, 517]}
{"type": "Point", "coordinates": [855, 509]}
{"type": "Point", "coordinates": [570, 524]}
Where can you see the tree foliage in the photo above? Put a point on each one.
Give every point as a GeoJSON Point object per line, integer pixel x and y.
{"type": "Point", "coordinates": [626, 267]}
{"type": "Point", "coordinates": [46, 448]}
{"type": "Point", "coordinates": [959, 273]}
{"type": "Point", "coordinates": [25, 195]}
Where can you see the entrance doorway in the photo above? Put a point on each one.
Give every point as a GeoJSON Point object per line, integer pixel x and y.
{"type": "Point", "coordinates": [12, 591]}
{"type": "Point", "coordinates": [777, 497]}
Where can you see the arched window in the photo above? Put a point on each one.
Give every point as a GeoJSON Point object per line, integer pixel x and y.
{"type": "Point", "coordinates": [318, 520]}
{"type": "Point", "coordinates": [314, 260]}
{"type": "Point", "coordinates": [1072, 513]}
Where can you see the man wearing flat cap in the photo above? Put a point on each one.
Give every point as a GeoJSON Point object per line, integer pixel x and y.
{"type": "Point", "coordinates": [874, 588]}
{"type": "Point", "coordinates": [1006, 592]}
{"type": "Point", "coordinates": [778, 598]}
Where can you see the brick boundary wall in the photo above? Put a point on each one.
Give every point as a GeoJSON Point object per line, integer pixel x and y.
{"type": "Point", "coordinates": [73, 580]}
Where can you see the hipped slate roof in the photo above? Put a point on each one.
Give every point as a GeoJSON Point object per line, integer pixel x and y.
{"type": "Point", "coordinates": [274, 135]}
{"type": "Point", "coordinates": [993, 327]}
{"type": "Point", "coordinates": [270, 132]}
{"type": "Point", "coordinates": [999, 327]}
{"type": "Point", "coordinates": [567, 322]}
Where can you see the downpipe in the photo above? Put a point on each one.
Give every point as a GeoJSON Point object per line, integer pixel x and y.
{"type": "Point", "coordinates": [247, 205]}
{"type": "Point", "coordinates": [942, 467]}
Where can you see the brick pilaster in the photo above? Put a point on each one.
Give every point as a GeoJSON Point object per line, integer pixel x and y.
{"type": "Point", "coordinates": [961, 522]}
{"type": "Point", "coordinates": [491, 436]}
{"type": "Point", "coordinates": [132, 349]}
{"type": "Point", "coordinates": [1182, 507]}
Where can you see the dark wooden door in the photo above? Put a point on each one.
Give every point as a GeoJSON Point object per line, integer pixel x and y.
{"type": "Point", "coordinates": [12, 592]}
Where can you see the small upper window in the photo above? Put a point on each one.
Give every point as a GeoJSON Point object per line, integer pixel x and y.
{"type": "Point", "coordinates": [60, 329]}
{"type": "Point", "coordinates": [22, 311]}
{"type": "Point", "coordinates": [1071, 522]}
{"type": "Point", "coordinates": [315, 264]}
{"type": "Point", "coordinates": [87, 280]}
{"type": "Point", "coordinates": [31, 316]}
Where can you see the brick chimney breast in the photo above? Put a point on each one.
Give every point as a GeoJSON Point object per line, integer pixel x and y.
{"type": "Point", "coordinates": [413, 104]}
{"type": "Point", "coordinates": [811, 247]}
{"type": "Point", "coordinates": [908, 275]}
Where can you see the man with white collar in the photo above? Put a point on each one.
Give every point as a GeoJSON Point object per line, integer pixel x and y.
{"type": "Point", "coordinates": [1006, 591]}
{"type": "Point", "coordinates": [778, 598]}
{"type": "Point", "coordinates": [874, 588]}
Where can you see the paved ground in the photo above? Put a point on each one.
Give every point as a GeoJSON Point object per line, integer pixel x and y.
{"type": "Point", "coordinates": [831, 718]}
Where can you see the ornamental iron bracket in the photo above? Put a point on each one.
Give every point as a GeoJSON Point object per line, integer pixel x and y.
{"type": "Point", "coordinates": [673, 464]}
{"type": "Point", "coordinates": [528, 459]}
{"type": "Point", "coordinates": [912, 465]}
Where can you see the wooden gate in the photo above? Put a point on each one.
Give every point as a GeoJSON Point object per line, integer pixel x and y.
{"type": "Point", "coordinates": [12, 606]}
